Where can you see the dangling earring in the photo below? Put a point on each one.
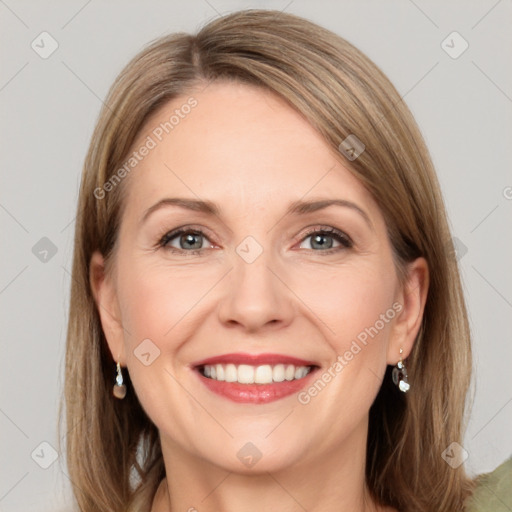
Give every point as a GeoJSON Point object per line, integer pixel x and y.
{"type": "Point", "coordinates": [119, 387]}
{"type": "Point", "coordinates": [400, 375]}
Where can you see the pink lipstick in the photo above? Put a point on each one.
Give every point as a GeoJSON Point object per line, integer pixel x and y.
{"type": "Point", "coordinates": [251, 378]}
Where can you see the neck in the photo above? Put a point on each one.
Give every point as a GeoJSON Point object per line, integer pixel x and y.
{"type": "Point", "coordinates": [329, 481]}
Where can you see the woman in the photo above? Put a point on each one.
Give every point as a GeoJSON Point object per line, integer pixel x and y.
{"type": "Point", "coordinates": [266, 313]}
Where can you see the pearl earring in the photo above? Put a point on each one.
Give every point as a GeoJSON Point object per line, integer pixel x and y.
{"type": "Point", "coordinates": [119, 387]}
{"type": "Point", "coordinates": [400, 375]}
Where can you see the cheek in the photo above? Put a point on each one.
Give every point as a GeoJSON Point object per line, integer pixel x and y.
{"type": "Point", "coordinates": [353, 303]}
{"type": "Point", "coordinates": [161, 308]}
{"type": "Point", "coordinates": [158, 301]}
{"type": "Point", "coordinates": [363, 320]}
{"type": "Point", "coordinates": [357, 310]}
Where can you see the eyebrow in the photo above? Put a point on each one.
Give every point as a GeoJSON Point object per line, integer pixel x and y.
{"type": "Point", "coordinates": [299, 207]}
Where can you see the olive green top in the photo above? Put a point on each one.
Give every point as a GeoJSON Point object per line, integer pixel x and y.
{"type": "Point", "coordinates": [494, 491]}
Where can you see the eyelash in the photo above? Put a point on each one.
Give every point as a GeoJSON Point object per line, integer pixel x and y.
{"type": "Point", "coordinates": [345, 241]}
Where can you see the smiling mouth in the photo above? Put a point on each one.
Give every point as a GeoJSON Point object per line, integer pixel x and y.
{"type": "Point", "coordinates": [248, 374]}
{"type": "Point", "coordinates": [256, 379]}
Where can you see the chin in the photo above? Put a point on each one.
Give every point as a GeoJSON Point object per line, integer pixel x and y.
{"type": "Point", "coordinates": [251, 459]}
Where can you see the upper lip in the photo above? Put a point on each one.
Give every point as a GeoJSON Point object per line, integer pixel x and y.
{"type": "Point", "coordinates": [254, 360]}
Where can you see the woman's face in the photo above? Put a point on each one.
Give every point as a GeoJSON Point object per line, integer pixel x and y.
{"type": "Point", "coordinates": [273, 286]}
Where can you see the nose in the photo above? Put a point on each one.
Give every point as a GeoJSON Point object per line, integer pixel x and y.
{"type": "Point", "coordinates": [257, 296]}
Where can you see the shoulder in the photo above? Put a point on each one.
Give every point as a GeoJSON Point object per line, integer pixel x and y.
{"type": "Point", "coordinates": [493, 492]}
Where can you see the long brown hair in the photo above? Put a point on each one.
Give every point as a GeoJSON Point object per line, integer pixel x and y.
{"type": "Point", "coordinates": [113, 451]}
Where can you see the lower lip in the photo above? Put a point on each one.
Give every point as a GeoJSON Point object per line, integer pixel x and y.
{"type": "Point", "coordinates": [255, 393]}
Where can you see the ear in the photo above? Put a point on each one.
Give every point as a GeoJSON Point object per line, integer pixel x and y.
{"type": "Point", "coordinates": [411, 299]}
{"type": "Point", "coordinates": [104, 292]}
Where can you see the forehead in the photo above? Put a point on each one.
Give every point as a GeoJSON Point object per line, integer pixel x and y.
{"type": "Point", "coordinates": [238, 146]}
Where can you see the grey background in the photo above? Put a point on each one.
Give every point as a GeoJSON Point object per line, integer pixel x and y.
{"type": "Point", "coordinates": [49, 107]}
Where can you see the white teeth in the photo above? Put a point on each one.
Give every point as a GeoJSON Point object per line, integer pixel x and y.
{"type": "Point", "coordinates": [278, 373]}
{"type": "Point", "coordinates": [301, 372]}
{"type": "Point", "coordinates": [219, 371]}
{"type": "Point", "coordinates": [289, 373]}
{"type": "Point", "coordinates": [247, 374]}
{"type": "Point", "coordinates": [230, 373]}
{"type": "Point", "coordinates": [263, 374]}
